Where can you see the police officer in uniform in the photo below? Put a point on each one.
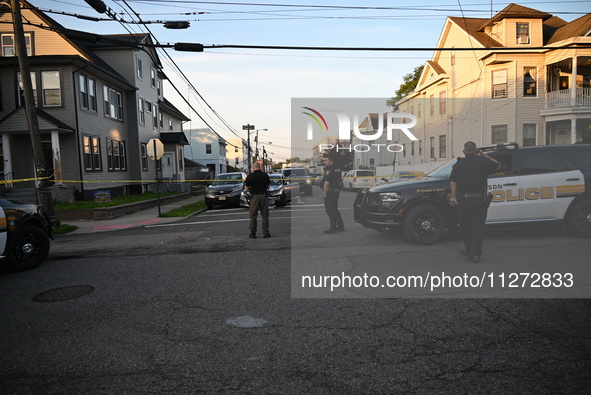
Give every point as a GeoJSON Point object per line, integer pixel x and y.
{"type": "Point", "coordinates": [469, 188]}
{"type": "Point", "coordinates": [331, 187]}
{"type": "Point", "coordinates": [258, 184]}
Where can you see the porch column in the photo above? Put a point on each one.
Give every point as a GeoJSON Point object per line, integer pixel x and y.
{"type": "Point", "coordinates": [573, 130]}
{"type": "Point", "coordinates": [7, 159]}
{"type": "Point", "coordinates": [573, 83]}
{"type": "Point", "coordinates": [56, 154]}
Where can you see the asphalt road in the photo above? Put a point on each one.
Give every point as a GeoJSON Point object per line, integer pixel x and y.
{"type": "Point", "coordinates": [198, 307]}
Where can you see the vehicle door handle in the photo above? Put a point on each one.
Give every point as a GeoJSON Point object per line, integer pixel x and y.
{"type": "Point", "coordinates": [511, 184]}
{"type": "Point", "coordinates": [572, 179]}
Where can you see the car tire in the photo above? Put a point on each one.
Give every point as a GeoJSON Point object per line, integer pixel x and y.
{"type": "Point", "coordinates": [29, 249]}
{"type": "Point", "coordinates": [424, 225]}
{"type": "Point", "coordinates": [578, 221]}
{"type": "Point", "coordinates": [283, 200]}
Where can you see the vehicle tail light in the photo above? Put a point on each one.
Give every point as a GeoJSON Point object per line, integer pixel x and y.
{"type": "Point", "coordinates": [355, 179]}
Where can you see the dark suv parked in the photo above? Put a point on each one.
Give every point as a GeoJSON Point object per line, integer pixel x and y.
{"type": "Point", "coordinates": [542, 183]}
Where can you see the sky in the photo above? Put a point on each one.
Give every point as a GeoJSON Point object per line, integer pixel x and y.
{"type": "Point", "coordinates": [232, 87]}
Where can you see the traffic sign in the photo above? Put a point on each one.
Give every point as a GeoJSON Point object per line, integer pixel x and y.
{"type": "Point", "coordinates": [155, 149]}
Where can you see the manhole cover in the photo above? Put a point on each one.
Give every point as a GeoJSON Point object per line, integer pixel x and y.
{"type": "Point", "coordinates": [64, 293]}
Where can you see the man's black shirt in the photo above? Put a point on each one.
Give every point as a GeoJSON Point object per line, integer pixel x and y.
{"type": "Point", "coordinates": [332, 175]}
{"type": "Point", "coordinates": [471, 174]}
{"type": "Point", "coordinates": [258, 181]}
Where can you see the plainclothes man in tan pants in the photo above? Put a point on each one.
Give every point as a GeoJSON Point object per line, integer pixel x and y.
{"type": "Point", "coordinates": [258, 184]}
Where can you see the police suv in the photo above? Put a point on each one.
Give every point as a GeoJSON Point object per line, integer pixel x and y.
{"type": "Point", "coordinates": [542, 183]}
{"type": "Point", "coordinates": [25, 230]}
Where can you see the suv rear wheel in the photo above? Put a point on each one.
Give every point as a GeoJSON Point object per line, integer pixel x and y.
{"type": "Point", "coordinates": [424, 225]}
{"type": "Point", "coordinates": [578, 221]}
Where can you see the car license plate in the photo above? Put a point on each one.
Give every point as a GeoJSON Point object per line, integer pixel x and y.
{"type": "Point", "coordinates": [222, 198]}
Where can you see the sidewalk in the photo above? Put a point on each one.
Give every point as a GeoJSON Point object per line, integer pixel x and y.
{"type": "Point", "coordinates": [141, 218]}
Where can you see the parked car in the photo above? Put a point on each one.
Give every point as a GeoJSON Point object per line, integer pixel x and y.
{"type": "Point", "coordinates": [299, 174]}
{"type": "Point", "coordinates": [279, 192]}
{"type": "Point", "coordinates": [541, 183]}
{"type": "Point", "coordinates": [400, 176]}
{"type": "Point", "coordinates": [25, 231]}
{"type": "Point", "coordinates": [359, 179]}
{"type": "Point", "coordinates": [225, 190]}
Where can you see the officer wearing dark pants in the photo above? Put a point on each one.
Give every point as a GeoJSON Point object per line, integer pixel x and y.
{"type": "Point", "coordinates": [258, 183]}
{"type": "Point", "coordinates": [331, 187]}
{"type": "Point", "coordinates": [469, 184]}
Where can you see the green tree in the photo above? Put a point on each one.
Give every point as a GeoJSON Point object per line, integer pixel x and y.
{"type": "Point", "coordinates": [408, 85]}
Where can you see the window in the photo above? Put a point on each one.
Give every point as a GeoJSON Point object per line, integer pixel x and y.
{"type": "Point", "coordinates": [419, 110]}
{"type": "Point", "coordinates": [160, 120]}
{"type": "Point", "coordinates": [541, 162]}
{"type": "Point", "coordinates": [116, 155]}
{"type": "Point", "coordinates": [404, 150]}
{"type": "Point", "coordinates": [529, 82]}
{"type": "Point", "coordinates": [499, 84]}
{"type": "Point", "coordinates": [158, 87]}
{"type": "Point", "coordinates": [113, 103]}
{"type": "Point", "coordinates": [21, 97]}
{"type": "Point", "coordinates": [235, 149]}
{"type": "Point", "coordinates": [582, 159]}
{"type": "Point", "coordinates": [529, 134]}
{"type": "Point", "coordinates": [88, 93]}
{"type": "Point", "coordinates": [148, 106]}
{"type": "Point", "coordinates": [412, 149]}
{"type": "Point", "coordinates": [431, 105]}
{"type": "Point", "coordinates": [208, 149]}
{"type": "Point", "coordinates": [144, 153]}
{"type": "Point", "coordinates": [50, 86]}
{"type": "Point", "coordinates": [498, 134]}
{"type": "Point", "coordinates": [522, 30]}
{"type": "Point", "coordinates": [170, 124]}
{"type": "Point", "coordinates": [420, 147]}
{"type": "Point", "coordinates": [432, 147]}
{"type": "Point", "coordinates": [140, 68]}
{"type": "Point", "coordinates": [442, 102]}
{"type": "Point", "coordinates": [153, 77]}
{"type": "Point", "coordinates": [236, 162]}
{"type": "Point", "coordinates": [442, 146]}
{"type": "Point", "coordinates": [371, 162]}
{"type": "Point", "coordinates": [92, 153]}
{"type": "Point", "coordinates": [181, 158]}
{"type": "Point", "coordinates": [142, 111]}
{"type": "Point", "coordinates": [155, 116]}
{"type": "Point", "coordinates": [8, 48]}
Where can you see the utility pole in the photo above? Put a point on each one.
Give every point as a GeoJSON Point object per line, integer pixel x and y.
{"type": "Point", "coordinates": [248, 128]}
{"type": "Point", "coordinates": [44, 197]}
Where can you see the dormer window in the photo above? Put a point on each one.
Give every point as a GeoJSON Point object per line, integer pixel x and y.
{"type": "Point", "coordinates": [522, 30]}
{"type": "Point", "coordinates": [7, 42]}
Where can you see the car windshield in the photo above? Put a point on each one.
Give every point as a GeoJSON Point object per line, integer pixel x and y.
{"type": "Point", "coordinates": [295, 172]}
{"type": "Point", "coordinates": [276, 180]}
{"type": "Point", "coordinates": [443, 170]}
{"type": "Point", "coordinates": [224, 179]}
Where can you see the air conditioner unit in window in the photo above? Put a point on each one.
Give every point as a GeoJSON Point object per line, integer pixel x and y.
{"type": "Point", "coordinates": [523, 40]}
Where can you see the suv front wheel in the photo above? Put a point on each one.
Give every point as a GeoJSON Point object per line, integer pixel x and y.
{"type": "Point", "coordinates": [424, 225]}
{"type": "Point", "coordinates": [578, 221]}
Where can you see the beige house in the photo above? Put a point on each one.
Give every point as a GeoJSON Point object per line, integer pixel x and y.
{"type": "Point", "coordinates": [521, 76]}
{"type": "Point", "coordinates": [99, 102]}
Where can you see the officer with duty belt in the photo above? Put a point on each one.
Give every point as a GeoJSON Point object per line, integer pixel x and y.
{"type": "Point", "coordinates": [258, 184]}
{"type": "Point", "coordinates": [469, 184]}
{"type": "Point", "coordinates": [331, 188]}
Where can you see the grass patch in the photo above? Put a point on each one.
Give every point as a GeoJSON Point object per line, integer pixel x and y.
{"type": "Point", "coordinates": [185, 210]}
{"type": "Point", "coordinates": [117, 201]}
{"type": "Point", "coordinates": [63, 229]}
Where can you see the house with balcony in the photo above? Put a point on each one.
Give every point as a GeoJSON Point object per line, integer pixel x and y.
{"type": "Point", "coordinates": [99, 100]}
{"type": "Point", "coordinates": [521, 76]}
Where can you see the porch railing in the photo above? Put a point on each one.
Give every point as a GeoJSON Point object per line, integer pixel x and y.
{"type": "Point", "coordinates": [563, 99]}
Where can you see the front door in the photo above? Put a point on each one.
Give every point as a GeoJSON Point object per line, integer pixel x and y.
{"type": "Point", "coordinates": [167, 166]}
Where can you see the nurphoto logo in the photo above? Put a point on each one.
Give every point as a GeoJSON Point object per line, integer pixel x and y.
{"type": "Point", "coordinates": [394, 121]}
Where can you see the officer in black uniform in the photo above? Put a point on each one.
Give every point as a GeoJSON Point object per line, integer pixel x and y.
{"type": "Point", "coordinates": [331, 187]}
{"type": "Point", "coordinates": [469, 184]}
{"type": "Point", "coordinates": [258, 184]}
